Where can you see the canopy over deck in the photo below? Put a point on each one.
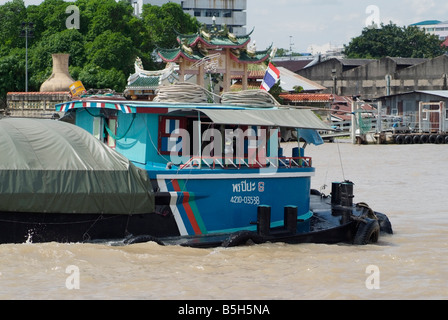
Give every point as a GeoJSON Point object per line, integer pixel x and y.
{"type": "Point", "coordinates": [219, 114]}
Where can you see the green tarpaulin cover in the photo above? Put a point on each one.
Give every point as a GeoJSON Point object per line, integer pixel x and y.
{"type": "Point", "coordinates": [56, 167]}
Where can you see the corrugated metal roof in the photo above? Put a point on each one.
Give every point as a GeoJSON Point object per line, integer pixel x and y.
{"type": "Point", "coordinates": [439, 93]}
{"type": "Point", "coordinates": [408, 61]}
{"type": "Point", "coordinates": [289, 80]}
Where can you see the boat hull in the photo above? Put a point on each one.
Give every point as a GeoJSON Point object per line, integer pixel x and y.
{"type": "Point", "coordinates": [213, 201]}
{"type": "Point", "coordinates": [329, 224]}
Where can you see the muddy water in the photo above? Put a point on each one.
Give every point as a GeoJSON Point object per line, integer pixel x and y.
{"type": "Point", "coordinates": [408, 183]}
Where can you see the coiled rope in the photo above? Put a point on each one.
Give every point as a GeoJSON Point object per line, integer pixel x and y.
{"type": "Point", "coordinates": [193, 93]}
{"type": "Point", "coordinates": [183, 92]}
{"type": "Point", "coordinates": [255, 98]}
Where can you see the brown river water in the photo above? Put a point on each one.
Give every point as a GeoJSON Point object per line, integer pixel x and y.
{"type": "Point", "coordinates": [407, 182]}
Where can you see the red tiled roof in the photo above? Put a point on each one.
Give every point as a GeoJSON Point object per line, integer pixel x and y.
{"type": "Point", "coordinates": [37, 93]}
{"type": "Point", "coordinates": [253, 74]}
{"type": "Point", "coordinates": [308, 97]}
{"type": "Point", "coordinates": [445, 43]}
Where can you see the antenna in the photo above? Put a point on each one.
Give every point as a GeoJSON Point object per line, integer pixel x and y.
{"type": "Point", "coordinates": [290, 46]}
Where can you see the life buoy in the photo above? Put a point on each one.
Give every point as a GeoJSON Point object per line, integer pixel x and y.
{"type": "Point", "coordinates": [367, 232]}
{"type": "Point", "coordinates": [241, 238]}
{"type": "Point", "coordinates": [143, 239]}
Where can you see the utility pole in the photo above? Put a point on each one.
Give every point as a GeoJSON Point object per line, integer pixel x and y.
{"type": "Point", "coordinates": [290, 47]}
{"type": "Point", "coordinates": [27, 32]}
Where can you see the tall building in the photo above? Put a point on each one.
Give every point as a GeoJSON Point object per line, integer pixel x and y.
{"type": "Point", "coordinates": [229, 12]}
{"type": "Point", "coordinates": [434, 27]}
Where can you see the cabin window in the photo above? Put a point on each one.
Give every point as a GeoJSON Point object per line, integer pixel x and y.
{"type": "Point", "coordinates": [170, 138]}
{"type": "Point", "coordinates": [112, 132]}
{"type": "Point", "coordinates": [98, 131]}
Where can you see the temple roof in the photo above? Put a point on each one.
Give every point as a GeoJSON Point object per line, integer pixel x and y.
{"type": "Point", "coordinates": [196, 47]}
{"type": "Point", "coordinates": [241, 56]}
{"type": "Point", "coordinates": [144, 82]}
{"type": "Point", "coordinates": [214, 39]}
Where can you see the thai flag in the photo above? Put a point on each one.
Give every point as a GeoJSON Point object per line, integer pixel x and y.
{"type": "Point", "coordinates": [270, 78]}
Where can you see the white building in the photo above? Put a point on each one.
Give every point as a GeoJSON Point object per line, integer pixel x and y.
{"type": "Point", "coordinates": [434, 27]}
{"type": "Point", "coordinates": [229, 12]}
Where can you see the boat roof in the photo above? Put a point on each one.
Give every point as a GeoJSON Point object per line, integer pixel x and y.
{"type": "Point", "coordinates": [218, 113]}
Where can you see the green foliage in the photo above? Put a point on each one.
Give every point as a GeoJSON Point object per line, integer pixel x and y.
{"type": "Point", "coordinates": [12, 14]}
{"type": "Point", "coordinates": [393, 41]}
{"type": "Point", "coordinates": [12, 72]}
{"type": "Point", "coordinates": [161, 21]}
{"type": "Point", "coordinates": [102, 52]}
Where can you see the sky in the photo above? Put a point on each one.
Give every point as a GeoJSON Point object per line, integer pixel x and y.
{"type": "Point", "coordinates": [317, 25]}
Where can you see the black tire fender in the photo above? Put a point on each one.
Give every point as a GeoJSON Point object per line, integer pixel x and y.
{"type": "Point", "coordinates": [432, 138]}
{"type": "Point", "coordinates": [143, 239]}
{"type": "Point", "coordinates": [408, 140]}
{"type": "Point", "coordinates": [241, 238]}
{"type": "Point", "coordinates": [399, 139]}
{"type": "Point", "coordinates": [424, 139]}
{"type": "Point", "coordinates": [367, 232]}
{"type": "Point", "coordinates": [416, 139]}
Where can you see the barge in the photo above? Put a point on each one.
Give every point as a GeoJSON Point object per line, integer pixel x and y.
{"type": "Point", "coordinates": [191, 174]}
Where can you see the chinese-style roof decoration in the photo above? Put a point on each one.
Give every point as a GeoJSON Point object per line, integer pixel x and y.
{"type": "Point", "coordinates": [145, 80]}
{"type": "Point", "coordinates": [215, 51]}
{"type": "Point", "coordinates": [198, 46]}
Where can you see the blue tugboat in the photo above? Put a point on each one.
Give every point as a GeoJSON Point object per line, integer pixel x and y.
{"type": "Point", "coordinates": [192, 174]}
{"type": "Point", "coordinates": [219, 176]}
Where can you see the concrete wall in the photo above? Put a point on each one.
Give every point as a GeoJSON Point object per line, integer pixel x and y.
{"type": "Point", "coordinates": [380, 77]}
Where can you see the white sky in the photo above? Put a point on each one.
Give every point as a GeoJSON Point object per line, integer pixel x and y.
{"type": "Point", "coordinates": [314, 24]}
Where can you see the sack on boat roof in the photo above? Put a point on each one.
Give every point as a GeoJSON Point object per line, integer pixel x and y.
{"type": "Point", "coordinates": [56, 167]}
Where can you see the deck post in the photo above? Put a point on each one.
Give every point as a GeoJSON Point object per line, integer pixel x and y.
{"type": "Point", "coordinates": [264, 221]}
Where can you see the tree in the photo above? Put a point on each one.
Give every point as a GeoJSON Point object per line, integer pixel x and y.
{"type": "Point", "coordinates": [111, 50]}
{"type": "Point", "coordinates": [163, 22]}
{"type": "Point", "coordinates": [102, 52]}
{"type": "Point", "coordinates": [393, 41]}
{"type": "Point", "coordinates": [12, 14]}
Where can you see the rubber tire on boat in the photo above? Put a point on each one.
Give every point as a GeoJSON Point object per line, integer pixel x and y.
{"type": "Point", "coordinates": [241, 238]}
{"type": "Point", "coordinates": [384, 222]}
{"type": "Point", "coordinates": [399, 139]}
{"type": "Point", "coordinates": [368, 232]}
{"type": "Point", "coordinates": [143, 239]}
